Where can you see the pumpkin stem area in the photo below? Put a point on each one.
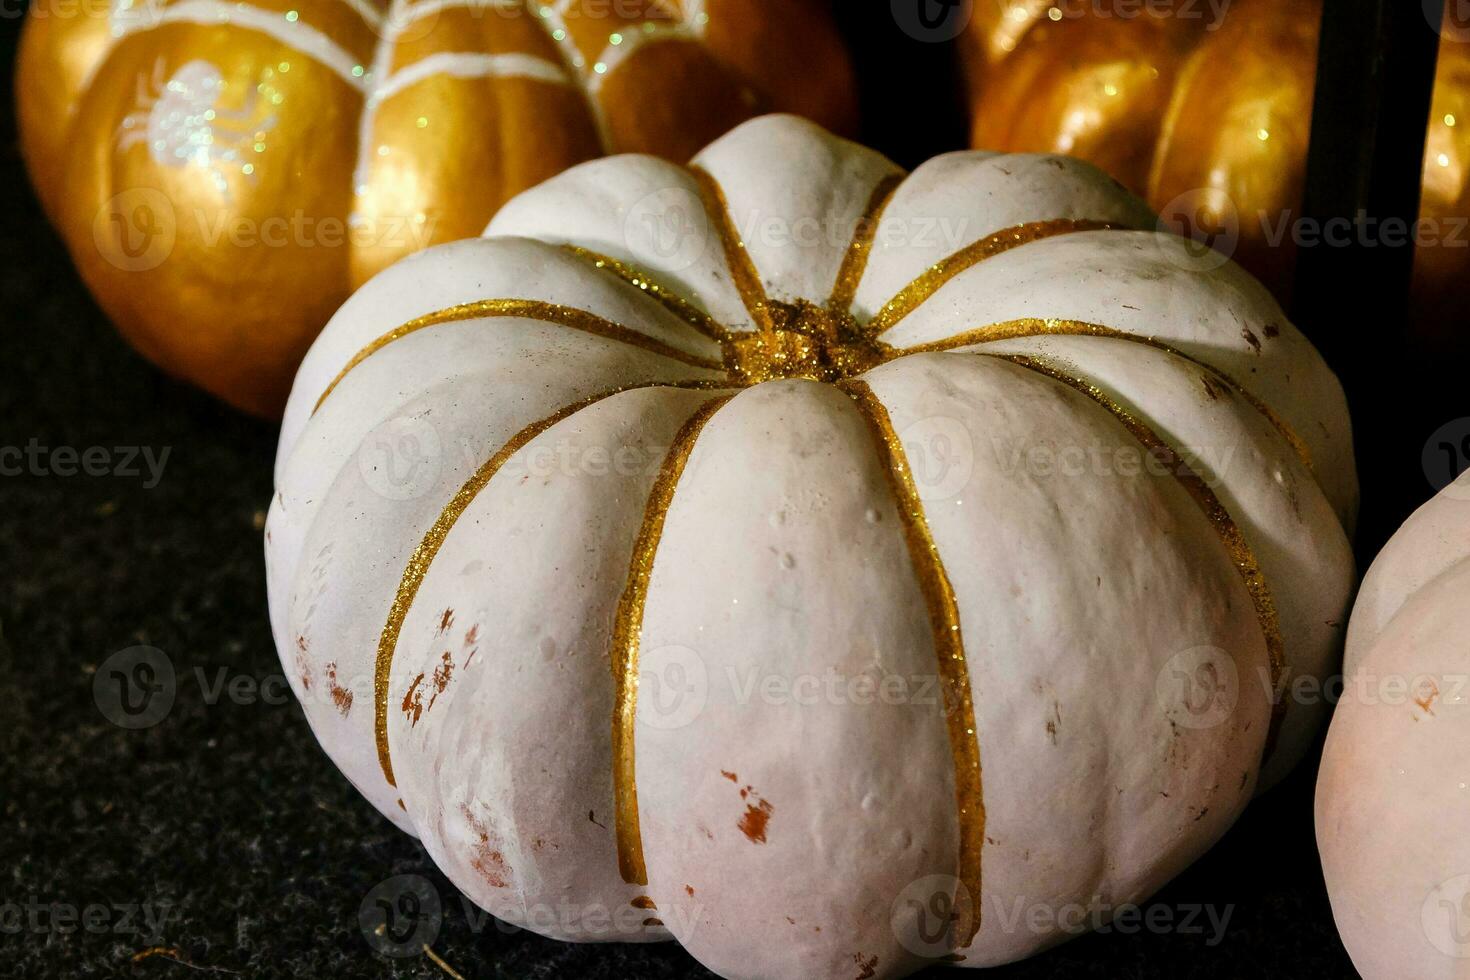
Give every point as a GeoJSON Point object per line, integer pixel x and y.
{"type": "Point", "coordinates": [803, 341]}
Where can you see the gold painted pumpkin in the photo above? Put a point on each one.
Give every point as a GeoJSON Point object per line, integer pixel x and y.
{"type": "Point", "coordinates": [226, 173]}
{"type": "Point", "coordinates": [1206, 113]}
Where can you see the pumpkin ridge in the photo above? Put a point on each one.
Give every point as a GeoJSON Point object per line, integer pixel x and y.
{"type": "Point", "coordinates": [423, 556]}
{"type": "Point", "coordinates": [552, 313]}
{"type": "Point", "coordinates": [860, 250]}
{"type": "Point", "coordinates": [1039, 326]}
{"type": "Point", "coordinates": [949, 650]}
{"type": "Point", "coordinates": [737, 259]}
{"type": "Point", "coordinates": [916, 293]}
{"type": "Point", "coordinates": [626, 637]}
{"type": "Point", "coordinates": [1242, 556]}
{"type": "Point", "coordinates": [670, 298]}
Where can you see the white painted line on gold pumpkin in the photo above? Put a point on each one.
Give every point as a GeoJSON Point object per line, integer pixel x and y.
{"type": "Point", "coordinates": [292, 33]}
{"type": "Point", "coordinates": [465, 65]}
{"type": "Point", "coordinates": [454, 65]}
{"type": "Point", "coordinates": [615, 55]}
{"type": "Point", "coordinates": [411, 14]}
{"type": "Point", "coordinates": [370, 14]}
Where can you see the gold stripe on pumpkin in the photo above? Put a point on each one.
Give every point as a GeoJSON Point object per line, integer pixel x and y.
{"type": "Point", "coordinates": [949, 647]}
{"type": "Point", "coordinates": [855, 262]}
{"type": "Point", "coordinates": [671, 300]}
{"type": "Point", "coordinates": [912, 296]}
{"type": "Point", "coordinates": [627, 637]}
{"type": "Point", "coordinates": [1238, 548]}
{"type": "Point", "coordinates": [1036, 327]}
{"type": "Point", "coordinates": [423, 556]}
{"type": "Point", "coordinates": [737, 257]}
{"type": "Point", "coordinates": [565, 316]}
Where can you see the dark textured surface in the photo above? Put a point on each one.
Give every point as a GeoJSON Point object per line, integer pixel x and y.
{"type": "Point", "coordinates": [226, 815]}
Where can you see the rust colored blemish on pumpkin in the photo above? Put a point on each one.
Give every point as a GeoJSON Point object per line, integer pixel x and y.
{"type": "Point", "coordinates": [442, 675]}
{"type": "Point", "coordinates": [753, 824]}
{"type": "Point", "coordinates": [446, 620]}
{"type": "Point", "coordinates": [1425, 703]}
{"type": "Point", "coordinates": [1272, 331]}
{"type": "Point", "coordinates": [689, 890]}
{"type": "Point", "coordinates": [653, 922]}
{"type": "Point", "coordinates": [413, 702]}
{"type": "Point", "coordinates": [644, 902]}
{"type": "Point", "coordinates": [302, 663]}
{"type": "Point", "coordinates": [730, 775]}
{"type": "Point", "coordinates": [341, 697]}
{"type": "Point", "coordinates": [473, 636]}
{"type": "Point", "coordinates": [1251, 339]}
{"type": "Point", "coordinates": [487, 858]}
{"type": "Point", "coordinates": [1214, 387]}
{"type": "Point", "coordinates": [866, 967]}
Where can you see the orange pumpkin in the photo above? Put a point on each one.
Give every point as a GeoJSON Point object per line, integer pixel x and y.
{"type": "Point", "coordinates": [1203, 108]}
{"type": "Point", "coordinates": [225, 174]}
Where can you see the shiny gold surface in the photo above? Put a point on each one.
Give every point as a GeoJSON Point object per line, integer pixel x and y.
{"type": "Point", "coordinates": [1224, 526]}
{"type": "Point", "coordinates": [805, 341]}
{"type": "Point", "coordinates": [322, 140]}
{"type": "Point", "coordinates": [1442, 269]}
{"type": "Point", "coordinates": [1208, 118]}
{"type": "Point", "coordinates": [949, 650]}
{"type": "Point", "coordinates": [627, 635]}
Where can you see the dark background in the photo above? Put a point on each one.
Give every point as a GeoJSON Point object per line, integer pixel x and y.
{"type": "Point", "coordinates": [230, 815]}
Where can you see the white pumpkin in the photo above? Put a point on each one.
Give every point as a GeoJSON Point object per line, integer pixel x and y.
{"type": "Point", "coordinates": [1395, 777]}
{"type": "Point", "coordinates": [665, 424]}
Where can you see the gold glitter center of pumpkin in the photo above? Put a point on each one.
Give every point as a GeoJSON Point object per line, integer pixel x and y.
{"type": "Point", "coordinates": [804, 341]}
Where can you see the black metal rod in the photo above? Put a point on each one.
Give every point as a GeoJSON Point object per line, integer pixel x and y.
{"type": "Point", "coordinates": [1375, 76]}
